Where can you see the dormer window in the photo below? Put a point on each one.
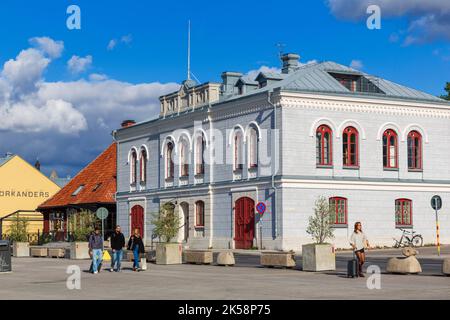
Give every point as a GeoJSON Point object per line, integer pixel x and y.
{"type": "Point", "coordinates": [356, 82]}
{"type": "Point", "coordinates": [78, 190]}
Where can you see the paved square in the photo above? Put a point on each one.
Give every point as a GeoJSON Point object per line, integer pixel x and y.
{"type": "Point", "coordinates": [44, 278]}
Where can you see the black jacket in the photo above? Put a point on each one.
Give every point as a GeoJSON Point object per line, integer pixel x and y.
{"type": "Point", "coordinates": [117, 241]}
{"type": "Point", "coordinates": [136, 241]}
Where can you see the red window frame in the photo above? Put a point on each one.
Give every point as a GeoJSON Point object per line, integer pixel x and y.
{"type": "Point", "coordinates": [143, 165]}
{"type": "Point", "coordinates": [400, 219]}
{"type": "Point", "coordinates": [334, 217]}
{"type": "Point", "coordinates": [133, 167]}
{"type": "Point", "coordinates": [169, 160]}
{"type": "Point", "coordinates": [415, 151]}
{"type": "Point", "coordinates": [347, 144]}
{"type": "Point", "coordinates": [320, 146]}
{"type": "Point", "coordinates": [387, 146]}
{"type": "Point", "coordinates": [199, 214]}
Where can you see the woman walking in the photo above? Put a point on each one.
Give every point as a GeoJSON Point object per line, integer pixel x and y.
{"type": "Point", "coordinates": [136, 245]}
{"type": "Point", "coordinates": [359, 242]}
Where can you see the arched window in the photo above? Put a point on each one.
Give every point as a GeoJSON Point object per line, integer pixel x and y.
{"type": "Point", "coordinates": [338, 210]}
{"type": "Point", "coordinates": [324, 138]}
{"type": "Point", "coordinates": [143, 165]}
{"type": "Point", "coordinates": [184, 158]}
{"type": "Point", "coordinates": [238, 150]}
{"type": "Point", "coordinates": [199, 214]}
{"type": "Point", "coordinates": [350, 152]}
{"type": "Point", "coordinates": [199, 154]}
{"type": "Point", "coordinates": [253, 148]}
{"type": "Point", "coordinates": [169, 160]}
{"type": "Point", "coordinates": [133, 167]}
{"type": "Point", "coordinates": [390, 149]}
{"type": "Point", "coordinates": [414, 150]}
{"type": "Point", "coordinates": [403, 212]}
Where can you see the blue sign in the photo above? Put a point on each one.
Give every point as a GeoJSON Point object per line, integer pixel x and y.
{"type": "Point", "coordinates": [261, 208]}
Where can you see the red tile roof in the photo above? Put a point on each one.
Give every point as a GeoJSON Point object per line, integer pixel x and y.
{"type": "Point", "coordinates": [98, 179]}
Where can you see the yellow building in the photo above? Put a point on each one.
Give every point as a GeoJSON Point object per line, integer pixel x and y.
{"type": "Point", "coordinates": [22, 189]}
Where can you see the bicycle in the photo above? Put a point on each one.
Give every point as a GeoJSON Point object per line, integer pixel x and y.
{"type": "Point", "coordinates": [409, 239]}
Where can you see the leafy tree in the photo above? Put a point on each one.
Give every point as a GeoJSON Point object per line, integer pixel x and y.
{"type": "Point", "coordinates": [166, 222]}
{"type": "Point", "coordinates": [81, 224]}
{"type": "Point", "coordinates": [319, 225]}
{"type": "Point", "coordinates": [18, 230]}
{"type": "Point", "coordinates": [447, 88]}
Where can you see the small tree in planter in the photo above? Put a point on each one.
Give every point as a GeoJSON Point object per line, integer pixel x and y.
{"type": "Point", "coordinates": [81, 225]}
{"type": "Point", "coordinates": [319, 256]}
{"type": "Point", "coordinates": [166, 226]}
{"type": "Point", "coordinates": [18, 235]}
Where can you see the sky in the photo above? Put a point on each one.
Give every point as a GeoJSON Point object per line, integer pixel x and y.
{"type": "Point", "coordinates": [63, 91]}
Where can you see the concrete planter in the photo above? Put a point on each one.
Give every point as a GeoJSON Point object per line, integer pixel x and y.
{"type": "Point", "coordinates": [318, 257]}
{"type": "Point", "coordinates": [168, 253]}
{"type": "Point", "coordinates": [21, 249]}
{"type": "Point", "coordinates": [446, 267]}
{"type": "Point", "coordinates": [198, 256]}
{"type": "Point", "coordinates": [56, 252]}
{"type": "Point", "coordinates": [225, 259]}
{"type": "Point", "coordinates": [40, 252]}
{"type": "Point", "coordinates": [278, 259]}
{"type": "Point", "coordinates": [79, 250]}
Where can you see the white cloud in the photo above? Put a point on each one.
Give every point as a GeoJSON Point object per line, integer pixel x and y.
{"type": "Point", "coordinates": [97, 77]}
{"type": "Point", "coordinates": [47, 45]}
{"type": "Point", "coordinates": [111, 44]}
{"type": "Point", "coordinates": [356, 64]}
{"type": "Point", "coordinates": [78, 64]}
{"type": "Point", "coordinates": [126, 39]}
{"type": "Point", "coordinates": [428, 20]}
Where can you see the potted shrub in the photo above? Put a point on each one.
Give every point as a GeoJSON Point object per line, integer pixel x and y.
{"type": "Point", "coordinates": [319, 256]}
{"type": "Point", "coordinates": [81, 225]}
{"type": "Point", "coordinates": [166, 225]}
{"type": "Point", "coordinates": [18, 235]}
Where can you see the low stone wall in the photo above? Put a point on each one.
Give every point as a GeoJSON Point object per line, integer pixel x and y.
{"type": "Point", "coordinates": [278, 259]}
{"type": "Point", "coordinates": [225, 259]}
{"type": "Point", "coordinates": [38, 252]}
{"type": "Point", "coordinates": [198, 256]}
{"type": "Point", "coordinates": [56, 252]}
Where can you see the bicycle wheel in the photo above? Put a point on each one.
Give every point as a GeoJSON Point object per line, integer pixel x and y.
{"type": "Point", "coordinates": [417, 241]}
{"type": "Point", "coordinates": [406, 242]}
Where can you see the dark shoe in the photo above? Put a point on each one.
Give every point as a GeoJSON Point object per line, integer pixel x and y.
{"type": "Point", "coordinates": [134, 269]}
{"type": "Point", "coordinates": [361, 275]}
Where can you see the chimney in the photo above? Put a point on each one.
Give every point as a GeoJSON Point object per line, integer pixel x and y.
{"type": "Point", "coordinates": [290, 62]}
{"type": "Point", "coordinates": [37, 165]}
{"type": "Point", "coordinates": [128, 123]}
{"type": "Point", "coordinates": [229, 81]}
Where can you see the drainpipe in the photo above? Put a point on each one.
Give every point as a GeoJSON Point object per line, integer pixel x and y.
{"type": "Point", "coordinates": [275, 154]}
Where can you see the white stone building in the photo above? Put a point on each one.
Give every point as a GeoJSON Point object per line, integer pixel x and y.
{"type": "Point", "coordinates": [376, 149]}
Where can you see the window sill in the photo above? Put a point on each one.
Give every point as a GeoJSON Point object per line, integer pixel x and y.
{"type": "Point", "coordinates": [199, 175]}
{"type": "Point", "coordinates": [350, 167]}
{"type": "Point", "coordinates": [253, 168]}
{"type": "Point", "coordinates": [403, 226]}
{"type": "Point", "coordinates": [185, 177]}
{"type": "Point", "coordinates": [199, 227]}
{"type": "Point", "coordinates": [340, 225]}
{"type": "Point", "coordinates": [169, 179]}
{"type": "Point", "coordinates": [324, 166]}
{"type": "Point", "coordinates": [390, 169]}
{"type": "Point", "coordinates": [237, 171]}
{"type": "Point", "coordinates": [415, 170]}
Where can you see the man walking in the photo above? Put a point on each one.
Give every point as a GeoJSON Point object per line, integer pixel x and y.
{"type": "Point", "coordinates": [117, 244]}
{"type": "Point", "coordinates": [96, 247]}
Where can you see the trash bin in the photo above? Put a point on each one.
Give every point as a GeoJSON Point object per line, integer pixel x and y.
{"type": "Point", "coordinates": [5, 256]}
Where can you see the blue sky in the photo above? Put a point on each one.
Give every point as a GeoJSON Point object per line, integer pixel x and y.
{"type": "Point", "coordinates": [150, 49]}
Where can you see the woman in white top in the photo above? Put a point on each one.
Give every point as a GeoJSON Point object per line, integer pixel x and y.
{"type": "Point", "coordinates": [359, 242]}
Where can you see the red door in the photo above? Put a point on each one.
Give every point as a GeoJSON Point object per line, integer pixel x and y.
{"type": "Point", "coordinates": [244, 222]}
{"type": "Point", "coordinates": [137, 219]}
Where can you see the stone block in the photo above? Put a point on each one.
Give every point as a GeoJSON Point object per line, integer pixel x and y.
{"type": "Point", "coordinates": [56, 252]}
{"type": "Point", "coordinates": [408, 252]}
{"type": "Point", "coordinates": [446, 266]}
{"type": "Point", "coordinates": [318, 257]}
{"type": "Point", "coordinates": [198, 256]}
{"type": "Point", "coordinates": [168, 253]}
{"type": "Point", "coordinates": [404, 265]}
{"type": "Point", "coordinates": [21, 249]}
{"type": "Point", "coordinates": [226, 259]}
{"type": "Point", "coordinates": [38, 251]}
{"type": "Point", "coordinates": [79, 250]}
{"type": "Point", "coordinates": [278, 259]}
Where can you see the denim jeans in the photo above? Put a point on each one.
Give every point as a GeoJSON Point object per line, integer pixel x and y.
{"type": "Point", "coordinates": [116, 259]}
{"type": "Point", "coordinates": [136, 257]}
{"type": "Point", "coordinates": [97, 256]}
